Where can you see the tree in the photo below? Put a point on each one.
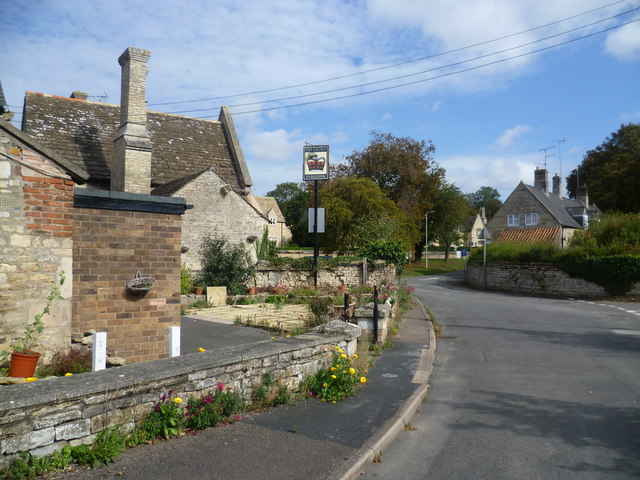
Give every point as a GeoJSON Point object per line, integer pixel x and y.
{"type": "Point", "coordinates": [403, 168]}
{"type": "Point", "coordinates": [224, 264]}
{"type": "Point", "coordinates": [357, 212]}
{"type": "Point", "coordinates": [487, 197]}
{"type": "Point", "coordinates": [612, 172]}
{"type": "Point", "coordinates": [293, 201]}
{"type": "Point", "coordinates": [451, 209]}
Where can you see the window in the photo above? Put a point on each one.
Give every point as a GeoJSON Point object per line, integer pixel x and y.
{"type": "Point", "coordinates": [513, 219]}
{"type": "Point", "coordinates": [531, 219]}
{"type": "Point", "coordinates": [273, 221]}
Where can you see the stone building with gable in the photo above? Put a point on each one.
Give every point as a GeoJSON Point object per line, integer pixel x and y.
{"type": "Point", "coordinates": [279, 232]}
{"type": "Point", "coordinates": [195, 159]}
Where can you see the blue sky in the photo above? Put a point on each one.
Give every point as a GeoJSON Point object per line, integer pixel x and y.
{"type": "Point", "coordinates": [487, 124]}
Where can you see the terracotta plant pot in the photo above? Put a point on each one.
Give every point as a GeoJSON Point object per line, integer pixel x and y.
{"type": "Point", "coordinates": [252, 290]}
{"type": "Point", "coordinates": [198, 290]}
{"type": "Point", "coordinates": [23, 364]}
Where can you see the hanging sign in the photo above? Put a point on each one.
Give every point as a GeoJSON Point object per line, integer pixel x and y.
{"type": "Point", "coordinates": [315, 162]}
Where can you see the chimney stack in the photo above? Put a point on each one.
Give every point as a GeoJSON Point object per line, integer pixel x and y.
{"type": "Point", "coordinates": [582, 195]}
{"type": "Point", "coordinates": [541, 179]}
{"type": "Point", "coordinates": [556, 185]}
{"type": "Point", "coordinates": [79, 95]}
{"type": "Point", "coordinates": [131, 163]}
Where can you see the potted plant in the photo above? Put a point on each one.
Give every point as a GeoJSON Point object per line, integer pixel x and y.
{"type": "Point", "coordinates": [23, 356]}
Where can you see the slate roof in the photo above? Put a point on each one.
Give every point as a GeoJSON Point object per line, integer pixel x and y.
{"type": "Point", "coordinates": [530, 235]}
{"type": "Point", "coordinates": [562, 208]}
{"type": "Point", "coordinates": [83, 132]}
{"type": "Point", "coordinates": [270, 203]}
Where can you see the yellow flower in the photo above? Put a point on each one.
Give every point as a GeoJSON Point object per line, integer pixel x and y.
{"type": "Point", "coordinates": [287, 335]}
{"type": "Point", "coordinates": [323, 400]}
{"type": "Point", "coordinates": [179, 400]}
{"type": "Point", "coordinates": [352, 371]}
{"type": "Point", "coordinates": [343, 356]}
{"type": "Point", "coordinates": [333, 369]}
{"type": "Point", "coordinates": [30, 379]}
{"type": "Point", "coordinates": [200, 349]}
{"type": "Point", "coordinates": [325, 384]}
{"type": "Point", "coordinates": [334, 401]}
{"type": "Point", "coordinates": [355, 355]}
{"type": "Point", "coordinates": [333, 376]}
{"type": "Point", "coordinates": [68, 374]}
{"type": "Point", "coordinates": [273, 338]}
{"type": "Point", "coordinates": [338, 348]}
{"type": "Point", "coordinates": [363, 379]}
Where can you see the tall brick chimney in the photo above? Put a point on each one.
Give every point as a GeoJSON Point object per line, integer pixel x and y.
{"type": "Point", "coordinates": [541, 179]}
{"type": "Point", "coordinates": [556, 185]}
{"type": "Point", "coordinates": [582, 195]}
{"type": "Point", "coordinates": [131, 161]}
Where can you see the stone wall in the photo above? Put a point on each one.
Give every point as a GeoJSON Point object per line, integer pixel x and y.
{"type": "Point", "coordinates": [227, 214]}
{"type": "Point", "coordinates": [117, 235]}
{"type": "Point", "coordinates": [36, 210]}
{"type": "Point", "coordinates": [535, 279]}
{"type": "Point", "coordinates": [348, 274]}
{"type": "Point", "coordinates": [44, 416]}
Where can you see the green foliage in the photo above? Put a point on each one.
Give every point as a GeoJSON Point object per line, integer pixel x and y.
{"type": "Point", "coordinates": [388, 250]}
{"type": "Point", "coordinates": [108, 444]}
{"type": "Point", "coordinates": [166, 419]}
{"type": "Point", "coordinates": [71, 360]}
{"type": "Point", "coordinates": [337, 382]}
{"type": "Point", "coordinates": [616, 273]}
{"type": "Point", "coordinates": [293, 200]}
{"type": "Point", "coordinates": [224, 264]}
{"type": "Point", "coordinates": [186, 279]}
{"type": "Point", "coordinates": [31, 334]}
{"type": "Point", "coordinates": [451, 210]}
{"type": "Point", "coordinates": [610, 234]}
{"type": "Point", "coordinates": [487, 198]}
{"type": "Point", "coordinates": [612, 171]}
{"type": "Point", "coordinates": [211, 410]}
{"type": "Point", "coordinates": [28, 467]}
{"type": "Point", "coordinates": [517, 252]}
{"type": "Point", "coordinates": [269, 393]}
{"type": "Point", "coordinates": [265, 248]}
{"type": "Point", "coordinates": [319, 308]}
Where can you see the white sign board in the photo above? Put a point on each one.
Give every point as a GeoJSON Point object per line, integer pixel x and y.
{"type": "Point", "coordinates": [320, 220]}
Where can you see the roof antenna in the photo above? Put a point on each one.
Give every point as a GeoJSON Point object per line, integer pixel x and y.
{"type": "Point", "coordinates": [547, 155]}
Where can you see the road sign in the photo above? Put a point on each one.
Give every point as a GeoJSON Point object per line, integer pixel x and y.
{"type": "Point", "coordinates": [464, 252]}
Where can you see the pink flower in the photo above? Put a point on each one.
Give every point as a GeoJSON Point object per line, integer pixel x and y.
{"type": "Point", "coordinates": [220, 386]}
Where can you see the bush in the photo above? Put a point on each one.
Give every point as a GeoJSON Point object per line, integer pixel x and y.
{"type": "Point", "coordinates": [72, 360]}
{"type": "Point", "coordinates": [339, 381]}
{"type": "Point", "coordinates": [212, 410]}
{"type": "Point", "coordinates": [616, 273]}
{"type": "Point", "coordinates": [518, 252]}
{"type": "Point", "coordinates": [265, 248]}
{"type": "Point", "coordinates": [186, 279]}
{"type": "Point", "coordinates": [390, 251]}
{"type": "Point", "coordinates": [610, 234]}
{"type": "Point", "coordinates": [224, 264]}
{"type": "Point", "coordinates": [319, 308]}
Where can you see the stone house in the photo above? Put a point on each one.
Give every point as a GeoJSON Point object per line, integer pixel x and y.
{"type": "Point", "coordinates": [533, 213]}
{"type": "Point", "coordinates": [472, 230]}
{"type": "Point", "coordinates": [195, 159]}
{"type": "Point", "coordinates": [279, 232]}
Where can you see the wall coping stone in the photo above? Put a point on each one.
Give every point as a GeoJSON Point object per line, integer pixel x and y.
{"type": "Point", "coordinates": [112, 200]}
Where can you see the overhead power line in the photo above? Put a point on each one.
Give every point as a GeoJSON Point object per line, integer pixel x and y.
{"type": "Point", "coordinates": [406, 62]}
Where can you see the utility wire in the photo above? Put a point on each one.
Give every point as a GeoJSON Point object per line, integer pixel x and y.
{"type": "Point", "coordinates": [437, 76]}
{"type": "Point", "coordinates": [362, 72]}
{"type": "Point", "coordinates": [376, 82]}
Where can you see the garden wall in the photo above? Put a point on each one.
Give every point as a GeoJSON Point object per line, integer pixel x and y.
{"type": "Point", "coordinates": [347, 274]}
{"type": "Point", "coordinates": [46, 415]}
{"type": "Point", "coordinates": [535, 279]}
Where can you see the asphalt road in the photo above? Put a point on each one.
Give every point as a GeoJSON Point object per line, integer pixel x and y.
{"type": "Point", "coordinates": [524, 388]}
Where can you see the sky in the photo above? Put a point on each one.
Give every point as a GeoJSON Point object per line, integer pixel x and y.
{"type": "Point", "coordinates": [491, 84]}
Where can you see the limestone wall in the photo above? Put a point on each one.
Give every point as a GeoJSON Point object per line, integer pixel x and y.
{"type": "Point", "coordinates": [46, 415]}
{"type": "Point", "coordinates": [535, 279]}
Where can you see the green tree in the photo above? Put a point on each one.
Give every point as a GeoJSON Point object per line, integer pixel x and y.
{"type": "Point", "coordinates": [451, 209]}
{"type": "Point", "coordinates": [357, 212]}
{"type": "Point", "coordinates": [487, 197]}
{"type": "Point", "coordinates": [224, 264]}
{"type": "Point", "coordinates": [293, 200]}
{"type": "Point", "coordinates": [403, 168]}
{"type": "Point", "coordinates": [612, 172]}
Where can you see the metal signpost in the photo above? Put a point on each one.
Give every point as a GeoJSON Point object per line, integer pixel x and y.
{"type": "Point", "coordinates": [315, 167]}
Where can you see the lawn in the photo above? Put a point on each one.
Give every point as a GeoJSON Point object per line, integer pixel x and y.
{"type": "Point", "coordinates": [436, 266]}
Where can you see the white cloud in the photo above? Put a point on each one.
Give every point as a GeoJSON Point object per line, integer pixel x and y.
{"type": "Point", "coordinates": [510, 135]}
{"type": "Point", "coordinates": [624, 43]}
{"type": "Point", "coordinates": [630, 117]}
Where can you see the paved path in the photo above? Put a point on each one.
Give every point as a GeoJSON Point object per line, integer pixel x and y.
{"type": "Point", "coordinates": [524, 388]}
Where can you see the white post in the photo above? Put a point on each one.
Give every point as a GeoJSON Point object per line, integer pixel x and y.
{"type": "Point", "coordinates": [99, 356]}
{"type": "Point", "coordinates": [174, 341]}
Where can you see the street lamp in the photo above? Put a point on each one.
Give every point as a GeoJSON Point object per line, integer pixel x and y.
{"type": "Point", "coordinates": [426, 239]}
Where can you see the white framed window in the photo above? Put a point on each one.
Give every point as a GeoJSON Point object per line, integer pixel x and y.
{"type": "Point", "coordinates": [273, 221]}
{"type": "Point", "coordinates": [513, 219]}
{"type": "Point", "coordinates": [531, 219]}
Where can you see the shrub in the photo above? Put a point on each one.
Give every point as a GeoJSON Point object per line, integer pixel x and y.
{"type": "Point", "coordinates": [388, 250]}
{"type": "Point", "coordinates": [616, 273]}
{"type": "Point", "coordinates": [265, 248]}
{"type": "Point", "coordinates": [186, 279]}
{"type": "Point", "coordinates": [518, 252]}
{"type": "Point", "coordinates": [211, 410]}
{"type": "Point", "coordinates": [72, 360]}
{"type": "Point", "coordinates": [224, 264]}
{"type": "Point", "coordinates": [610, 234]}
{"type": "Point", "coordinates": [319, 308]}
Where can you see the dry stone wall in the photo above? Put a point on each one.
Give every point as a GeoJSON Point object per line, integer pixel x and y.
{"type": "Point", "coordinates": [535, 279]}
{"type": "Point", "coordinates": [44, 416]}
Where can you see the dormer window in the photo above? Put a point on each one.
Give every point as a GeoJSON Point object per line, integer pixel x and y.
{"type": "Point", "coordinates": [531, 219]}
{"type": "Point", "coordinates": [273, 221]}
{"type": "Point", "coordinates": [513, 220]}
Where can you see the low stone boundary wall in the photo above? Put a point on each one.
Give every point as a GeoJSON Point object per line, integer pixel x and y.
{"type": "Point", "coordinates": [44, 416]}
{"type": "Point", "coordinates": [535, 279]}
{"type": "Point", "coordinates": [348, 274]}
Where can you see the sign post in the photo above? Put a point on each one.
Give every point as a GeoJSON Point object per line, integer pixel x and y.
{"type": "Point", "coordinates": [315, 167]}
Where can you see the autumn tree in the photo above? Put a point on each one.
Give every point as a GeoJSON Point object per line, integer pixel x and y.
{"type": "Point", "coordinates": [357, 212]}
{"type": "Point", "coordinates": [612, 172]}
{"type": "Point", "coordinates": [487, 197]}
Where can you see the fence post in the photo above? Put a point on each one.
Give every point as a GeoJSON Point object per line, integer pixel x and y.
{"type": "Point", "coordinates": [174, 341]}
{"type": "Point", "coordinates": [99, 353]}
{"type": "Point", "coordinates": [375, 314]}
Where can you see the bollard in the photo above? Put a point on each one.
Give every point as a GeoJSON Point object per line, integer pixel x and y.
{"type": "Point", "coordinates": [375, 314]}
{"type": "Point", "coordinates": [99, 354]}
{"type": "Point", "coordinates": [174, 341]}
{"type": "Point", "coordinates": [345, 313]}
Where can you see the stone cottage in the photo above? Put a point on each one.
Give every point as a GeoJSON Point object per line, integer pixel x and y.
{"type": "Point", "coordinates": [533, 213]}
{"type": "Point", "coordinates": [195, 159]}
{"type": "Point", "coordinates": [279, 232]}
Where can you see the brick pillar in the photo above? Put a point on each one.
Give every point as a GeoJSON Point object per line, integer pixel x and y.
{"type": "Point", "coordinates": [131, 161]}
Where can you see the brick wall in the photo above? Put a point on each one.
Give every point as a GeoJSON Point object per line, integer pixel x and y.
{"type": "Point", "coordinates": [36, 207]}
{"type": "Point", "coordinates": [535, 279]}
{"type": "Point", "coordinates": [110, 247]}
